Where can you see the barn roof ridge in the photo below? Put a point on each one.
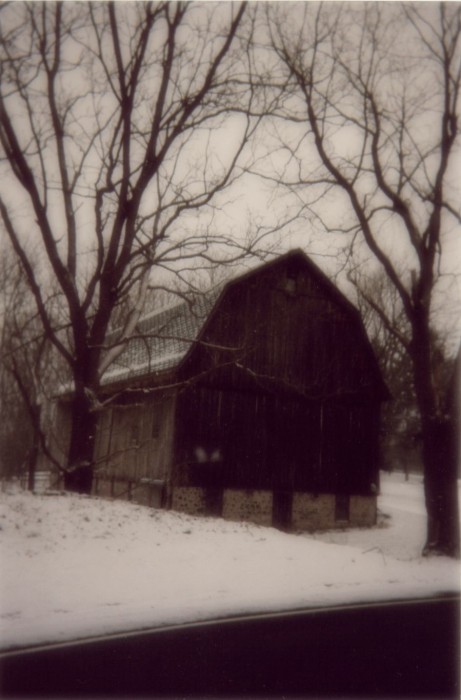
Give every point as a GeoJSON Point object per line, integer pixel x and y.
{"type": "Point", "coordinates": [307, 260]}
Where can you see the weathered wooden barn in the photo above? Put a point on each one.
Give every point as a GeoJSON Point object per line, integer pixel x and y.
{"type": "Point", "coordinates": [259, 402]}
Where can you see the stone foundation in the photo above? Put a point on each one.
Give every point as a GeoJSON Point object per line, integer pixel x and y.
{"type": "Point", "coordinates": [309, 512]}
{"type": "Point", "coordinates": [362, 511]}
{"type": "Point", "coordinates": [313, 512]}
{"type": "Point", "coordinates": [191, 499]}
{"type": "Point", "coordinates": [255, 506]}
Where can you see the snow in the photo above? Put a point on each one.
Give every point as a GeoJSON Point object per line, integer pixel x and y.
{"type": "Point", "coordinates": [74, 567]}
{"type": "Point", "coordinates": [118, 371]}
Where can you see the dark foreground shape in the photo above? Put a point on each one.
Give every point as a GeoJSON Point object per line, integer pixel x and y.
{"type": "Point", "coordinates": [388, 650]}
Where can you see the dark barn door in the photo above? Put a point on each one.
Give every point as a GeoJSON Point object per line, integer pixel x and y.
{"type": "Point", "coordinates": [349, 447]}
{"type": "Point", "coordinates": [281, 509]}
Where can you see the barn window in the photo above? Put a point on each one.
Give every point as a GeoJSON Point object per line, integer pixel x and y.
{"type": "Point", "coordinates": [342, 507]}
{"type": "Point", "coordinates": [291, 280]}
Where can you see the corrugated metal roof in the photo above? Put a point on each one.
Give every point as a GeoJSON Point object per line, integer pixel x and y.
{"type": "Point", "coordinates": [161, 340]}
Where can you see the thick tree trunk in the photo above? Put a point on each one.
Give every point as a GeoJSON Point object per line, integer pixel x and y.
{"type": "Point", "coordinates": [32, 465]}
{"type": "Point", "coordinates": [440, 451]}
{"type": "Point", "coordinates": [32, 457]}
{"type": "Point", "coordinates": [440, 456]}
{"type": "Point", "coordinates": [79, 473]}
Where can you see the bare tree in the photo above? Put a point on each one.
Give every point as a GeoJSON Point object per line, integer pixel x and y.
{"type": "Point", "coordinates": [27, 373]}
{"type": "Point", "coordinates": [372, 115]}
{"type": "Point", "coordinates": [15, 429]}
{"type": "Point", "coordinates": [121, 125]}
{"type": "Point", "coordinates": [400, 424]}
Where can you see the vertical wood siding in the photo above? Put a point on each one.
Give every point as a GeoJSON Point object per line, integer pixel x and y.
{"type": "Point", "coordinates": [134, 441]}
{"type": "Point", "coordinates": [292, 405]}
{"type": "Point", "coordinates": [244, 440]}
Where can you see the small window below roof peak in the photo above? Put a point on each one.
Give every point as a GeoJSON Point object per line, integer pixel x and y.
{"type": "Point", "coordinates": [291, 286]}
{"type": "Point", "coordinates": [291, 279]}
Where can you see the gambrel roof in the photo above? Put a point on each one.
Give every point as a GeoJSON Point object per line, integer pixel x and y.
{"type": "Point", "coordinates": [162, 339]}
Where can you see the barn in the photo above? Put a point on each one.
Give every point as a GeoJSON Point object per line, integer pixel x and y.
{"type": "Point", "coordinates": [259, 402]}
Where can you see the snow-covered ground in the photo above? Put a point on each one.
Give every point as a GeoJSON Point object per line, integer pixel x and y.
{"type": "Point", "coordinates": [73, 567]}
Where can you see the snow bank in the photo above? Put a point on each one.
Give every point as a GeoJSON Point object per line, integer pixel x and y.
{"type": "Point", "coordinates": [74, 566]}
